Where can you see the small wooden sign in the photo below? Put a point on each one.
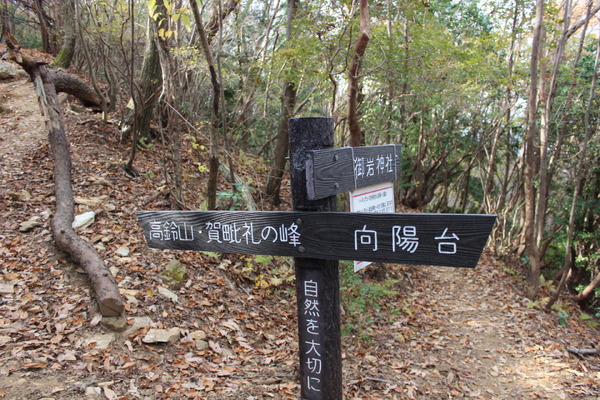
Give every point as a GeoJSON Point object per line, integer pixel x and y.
{"type": "Point", "coordinates": [454, 240]}
{"type": "Point", "coordinates": [333, 171]}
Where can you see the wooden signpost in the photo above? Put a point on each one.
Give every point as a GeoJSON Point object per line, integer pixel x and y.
{"type": "Point", "coordinates": [328, 171]}
{"type": "Point", "coordinates": [317, 237]}
{"type": "Point", "coordinates": [451, 240]}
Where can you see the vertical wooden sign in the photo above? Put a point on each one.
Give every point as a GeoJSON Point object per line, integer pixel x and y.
{"type": "Point", "coordinates": [317, 281]}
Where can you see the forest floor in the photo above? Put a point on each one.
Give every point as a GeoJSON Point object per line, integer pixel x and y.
{"type": "Point", "coordinates": [409, 332]}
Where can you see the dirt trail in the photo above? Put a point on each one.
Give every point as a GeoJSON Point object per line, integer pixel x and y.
{"type": "Point", "coordinates": [21, 124]}
{"type": "Point", "coordinates": [490, 344]}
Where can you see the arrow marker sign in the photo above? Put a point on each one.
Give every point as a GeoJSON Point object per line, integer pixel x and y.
{"type": "Point", "coordinates": [454, 240]}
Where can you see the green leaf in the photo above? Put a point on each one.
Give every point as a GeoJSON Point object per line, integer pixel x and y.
{"type": "Point", "coordinates": [152, 8]}
{"type": "Point", "coordinates": [212, 254]}
{"type": "Point", "coordinates": [275, 281]}
{"type": "Point", "coordinates": [168, 6]}
{"type": "Point", "coordinates": [186, 21]}
{"type": "Point", "coordinates": [263, 260]}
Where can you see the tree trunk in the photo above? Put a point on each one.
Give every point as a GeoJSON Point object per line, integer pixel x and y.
{"type": "Point", "coordinates": [530, 158]}
{"type": "Point", "coordinates": [491, 168]}
{"type": "Point", "coordinates": [43, 26]}
{"type": "Point", "coordinates": [465, 195]}
{"type": "Point", "coordinates": [166, 126]}
{"type": "Point", "coordinates": [224, 126]}
{"type": "Point", "coordinates": [149, 83]}
{"type": "Point", "coordinates": [403, 109]}
{"type": "Point", "coordinates": [214, 26]}
{"type": "Point", "coordinates": [587, 293]}
{"type": "Point", "coordinates": [569, 257]}
{"type": "Point", "coordinates": [67, 51]}
{"type": "Point", "coordinates": [288, 103]}
{"type": "Point", "coordinates": [545, 163]}
{"type": "Point", "coordinates": [273, 186]}
{"type": "Point", "coordinates": [356, 135]}
{"type": "Point", "coordinates": [214, 115]}
{"type": "Point", "coordinates": [4, 20]}
{"type": "Point", "coordinates": [91, 71]}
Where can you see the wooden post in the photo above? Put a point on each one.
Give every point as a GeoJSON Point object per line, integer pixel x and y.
{"type": "Point", "coordinates": [317, 281]}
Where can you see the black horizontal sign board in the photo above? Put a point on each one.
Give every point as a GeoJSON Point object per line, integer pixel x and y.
{"type": "Point", "coordinates": [454, 240]}
{"type": "Point", "coordinates": [333, 171]}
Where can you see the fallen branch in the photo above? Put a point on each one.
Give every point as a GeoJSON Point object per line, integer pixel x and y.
{"type": "Point", "coordinates": [81, 252]}
{"type": "Point", "coordinates": [582, 352]}
{"type": "Point", "coordinates": [586, 294]}
{"type": "Point", "coordinates": [32, 61]}
{"type": "Point", "coordinates": [371, 378]}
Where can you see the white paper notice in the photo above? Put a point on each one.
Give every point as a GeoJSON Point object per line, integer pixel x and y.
{"type": "Point", "coordinates": [373, 199]}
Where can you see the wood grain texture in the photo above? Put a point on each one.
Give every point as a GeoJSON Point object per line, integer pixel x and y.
{"type": "Point", "coordinates": [329, 235]}
{"type": "Point", "coordinates": [317, 280]}
{"type": "Point", "coordinates": [333, 171]}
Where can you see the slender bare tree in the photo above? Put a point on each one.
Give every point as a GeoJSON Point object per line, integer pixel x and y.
{"type": "Point", "coordinates": [288, 103]}
{"type": "Point", "coordinates": [356, 134]}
